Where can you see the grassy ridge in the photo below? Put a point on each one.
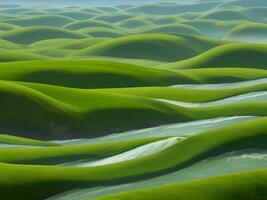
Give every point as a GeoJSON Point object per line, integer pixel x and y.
{"type": "Point", "coordinates": [183, 94]}
{"type": "Point", "coordinates": [8, 139]}
{"type": "Point", "coordinates": [243, 186]}
{"type": "Point", "coordinates": [43, 116]}
{"type": "Point", "coordinates": [225, 14]}
{"type": "Point", "coordinates": [252, 32]}
{"type": "Point", "coordinates": [9, 56]}
{"type": "Point", "coordinates": [87, 23]}
{"type": "Point", "coordinates": [229, 55]}
{"type": "Point", "coordinates": [45, 20]}
{"type": "Point", "coordinates": [70, 113]}
{"type": "Point", "coordinates": [34, 34]}
{"type": "Point", "coordinates": [91, 71]}
{"type": "Point", "coordinates": [61, 154]}
{"type": "Point", "coordinates": [175, 29]}
{"type": "Point", "coordinates": [90, 74]}
{"type": "Point", "coordinates": [222, 74]}
{"type": "Point", "coordinates": [150, 46]}
{"type": "Point", "coordinates": [97, 73]}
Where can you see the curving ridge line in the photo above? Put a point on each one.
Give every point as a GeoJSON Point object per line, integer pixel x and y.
{"type": "Point", "coordinates": [260, 96]}
{"type": "Point", "coordinates": [223, 85]}
{"type": "Point", "coordinates": [138, 152]}
{"type": "Point", "coordinates": [170, 130]}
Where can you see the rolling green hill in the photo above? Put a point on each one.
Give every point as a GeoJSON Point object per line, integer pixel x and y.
{"type": "Point", "coordinates": [241, 186]}
{"type": "Point", "coordinates": [77, 15]}
{"type": "Point", "coordinates": [90, 74]}
{"type": "Point", "coordinates": [102, 32]}
{"type": "Point", "coordinates": [8, 139]}
{"type": "Point", "coordinates": [174, 29]}
{"type": "Point", "coordinates": [248, 32]}
{"type": "Point", "coordinates": [57, 154]}
{"type": "Point", "coordinates": [113, 18]}
{"type": "Point", "coordinates": [134, 23]}
{"type": "Point", "coordinates": [34, 34]}
{"type": "Point", "coordinates": [213, 28]}
{"type": "Point", "coordinates": [9, 56]}
{"type": "Point", "coordinates": [49, 20]}
{"type": "Point", "coordinates": [165, 9]}
{"type": "Point", "coordinates": [150, 46]}
{"type": "Point", "coordinates": [133, 100]}
{"type": "Point", "coordinates": [87, 23]}
{"type": "Point", "coordinates": [7, 26]}
{"type": "Point", "coordinates": [70, 113]}
{"type": "Point", "coordinates": [225, 15]}
{"type": "Point", "coordinates": [229, 55]}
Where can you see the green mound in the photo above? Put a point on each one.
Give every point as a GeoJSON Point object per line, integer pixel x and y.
{"type": "Point", "coordinates": [165, 20]}
{"type": "Point", "coordinates": [229, 55]}
{"type": "Point", "coordinates": [113, 18]}
{"type": "Point", "coordinates": [175, 29]}
{"type": "Point", "coordinates": [253, 32]}
{"type": "Point", "coordinates": [92, 10]}
{"type": "Point", "coordinates": [86, 74]}
{"type": "Point", "coordinates": [10, 56]}
{"type": "Point", "coordinates": [189, 15]}
{"type": "Point", "coordinates": [17, 10]}
{"type": "Point", "coordinates": [225, 15]}
{"type": "Point", "coordinates": [243, 186]}
{"type": "Point", "coordinates": [9, 45]}
{"type": "Point", "coordinates": [58, 154]}
{"type": "Point", "coordinates": [213, 28]}
{"type": "Point", "coordinates": [109, 9]}
{"type": "Point", "coordinates": [78, 114]}
{"type": "Point", "coordinates": [169, 9]}
{"type": "Point", "coordinates": [223, 75]}
{"type": "Point", "coordinates": [151, 47]}
{"type": "Point", "coordinates": [34, 34]}
{"type": "Point", "coordinates": [83, 43]}
{"type": "Point", "coordinates": [186, 94]}
{"type": "Point", "coordinates": [46, 20]}
{"type": "Point", "coordinates": [77, 15]}
{"type": "Point", "coordinates": [87, 24]}
{"type": "Point", "coordinates": [33, 13]}
{"type": "Point", "coordinates": [7, 27]}
{"type": "Point", "coordinates": [134, 23]}
{"type": "Point", "coordinates": [8, 139]}
{"type": "Point", "coordinates": [102, 32]}
{"type": "Point", "coordinates": [54, 43]}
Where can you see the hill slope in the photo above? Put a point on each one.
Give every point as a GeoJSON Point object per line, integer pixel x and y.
{"type": "Point", "coordinates": [151, 47]}
{"type": "Point", "coordinates": [230, 55]}
{"type": "Point", "coordinates": [34, 34]}
{"type": "Point", "coordinates": [243, 186]}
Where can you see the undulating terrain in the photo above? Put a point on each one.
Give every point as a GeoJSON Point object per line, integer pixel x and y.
{"type": "Point", "coordinates": [133, 100]}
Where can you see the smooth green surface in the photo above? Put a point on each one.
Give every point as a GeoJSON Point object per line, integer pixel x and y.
{"type": "Point", "coordinates": [88, 84]}
{"type": "Point", "coordinates": [247, 135]}
{"type": "Point", "coordinates": [243, 186]}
